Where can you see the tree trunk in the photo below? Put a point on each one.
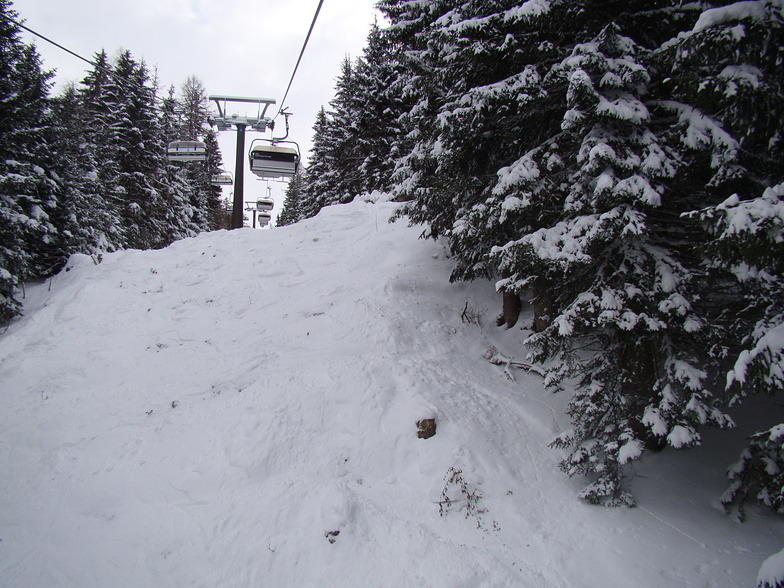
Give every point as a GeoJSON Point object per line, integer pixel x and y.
{"type": "Point", "coordinates": [510, 307]}
{"type": "Point", "coordinates": [638, 362]}
{"type": "Point", "coordinates": [544, 308]}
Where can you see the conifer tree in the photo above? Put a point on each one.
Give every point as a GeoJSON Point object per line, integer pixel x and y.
{"type": "Point", "coordinates": [376, 108]}
{"type": "Point", "coordinates": [84, 222]}
{"type": "Point", "coordinates": [292, 212]}
{"type": "Point", "coordinates": [211, 218]}
{"type": "Point", "coordinates": [178, 181]}
{"type": "Point", "coordinates": [317, 189]}
{"type": "Point", "coordinates": [192, 110]}
{"type": "Point", "coordinates": [340, 180]}
{"type": "Point", "coordinates": [413, 31]}
{"type": "Point", "coordinates": [735, 85]}
{"type": "Point", "coordinates": [27, 188]}
{"type": "Point", "coordinates": [545, 150]}
{"type": "Point", "coordinates": [355, 141]}
{"type": "Point", "coordinates": [137, 153]}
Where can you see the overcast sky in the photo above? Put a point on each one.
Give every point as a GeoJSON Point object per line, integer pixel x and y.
{"type": "Point", "coordinates": [236, 47]}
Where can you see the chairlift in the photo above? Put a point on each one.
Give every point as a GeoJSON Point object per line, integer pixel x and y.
{"type": "Point", "coordinates": [264, 204]}
{"type": "Point", "coordinates": [264, 218]}
{"type": "Point", "coordinates": [187, 151]}
{"type": "Point", "coordinates": [274, 160]}
{"type": "Point", "coordinates": [222, 178]}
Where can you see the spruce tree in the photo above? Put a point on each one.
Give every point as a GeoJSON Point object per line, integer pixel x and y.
{"type": "Point", "coordinates": [179, 183]}
{"type": "Point", "coordinates": [27, 186]}
{"type": "Point", "coordinates": [341, 180]}
{"type": "Point", "coordinates": [546, 146]}
{"type": "Point", "coordinates": [735, 86]}
{"type": "Point", "coordinates": [137, 153]}
{"type": "Point", "coordinates": [292, 211]}
{"type": "Point", "coordinates": [211, 204]}
{"type": "Point", "coordinates": [192, 111]}
{"type": "Point", "coordinates": [376, 108]}
{"type": "Point", "coordinates": [318, 189]}
{"type": "Point", "coordinates": [85, 223]}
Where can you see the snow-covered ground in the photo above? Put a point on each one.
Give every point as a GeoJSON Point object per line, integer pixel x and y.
{"type": "Point", "coordinates": [239, 410]}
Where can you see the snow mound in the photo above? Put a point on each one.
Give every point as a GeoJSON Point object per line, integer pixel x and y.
{"type": "Point", "coordinates": [239, 409]}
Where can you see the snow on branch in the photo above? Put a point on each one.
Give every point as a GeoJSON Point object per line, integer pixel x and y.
{"type": "Point", "coordinates": [759, 217]}
{"type": "Point", "coordinates": [702, 132]}
{"type": "Point", "coordinates": [748, 10]}
{"type": "Point", "coordinates": [497, 358]}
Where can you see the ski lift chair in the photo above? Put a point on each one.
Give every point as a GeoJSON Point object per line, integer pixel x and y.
{"type": "Point", "coordinates": [187, 151]}
{"type": "Point", "coordinates": [263, 204]}
{"type": "Point", "coordinates": [274, 161]}
{"type": "Point", "coordinates": [222, 178]}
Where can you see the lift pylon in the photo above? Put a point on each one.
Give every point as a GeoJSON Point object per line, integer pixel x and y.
{"type": "Point", "coordinates": [224, 122]}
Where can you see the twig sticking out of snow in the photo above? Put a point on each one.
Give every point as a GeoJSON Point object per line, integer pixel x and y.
{"type": "Point", "coordinates": [497, 358]}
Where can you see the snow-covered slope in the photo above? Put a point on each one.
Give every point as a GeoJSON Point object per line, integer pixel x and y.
{"type": "Point", "coordinates": [239, 409]}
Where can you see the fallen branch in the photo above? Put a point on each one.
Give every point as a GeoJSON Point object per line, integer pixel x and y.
{"type": "Point", "coordinates": [497, 358]}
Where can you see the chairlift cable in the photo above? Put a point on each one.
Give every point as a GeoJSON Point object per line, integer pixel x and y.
{"type": "Point", "coordinates": [182, 151]}
{"type": "Point", "coordinates": [301, 53]}
{"type": "Point", "coordinates": [107, 70]}
{"type": "Point", "coordinates": [48, 40]}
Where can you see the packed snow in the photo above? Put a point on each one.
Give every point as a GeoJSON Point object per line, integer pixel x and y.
{"type": "Point", "coordinates": [240, 409]}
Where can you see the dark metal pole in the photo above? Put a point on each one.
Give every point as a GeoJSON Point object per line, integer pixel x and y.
{"type": "Point", "coordinates": [237, 212]}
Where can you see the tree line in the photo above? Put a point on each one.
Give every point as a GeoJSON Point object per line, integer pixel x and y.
{"type": "Point", "coordinates": [86, 171]}
{"type": "Point", "coordinates": [617, 165]}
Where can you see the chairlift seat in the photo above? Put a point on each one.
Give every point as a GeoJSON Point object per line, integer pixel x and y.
{"type": "Point", "coordinates": [265, 204]}
{"type": "Point", "coordinates": [274, 161]}
{"type": "Point", "coordinates": [222, 179]}
{"type": "Point", "coordinates": [264, 218]}
{"type": "Point", "coordinates": [187, 151]}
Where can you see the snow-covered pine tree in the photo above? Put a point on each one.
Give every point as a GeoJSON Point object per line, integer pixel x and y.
{"type": "Point", "coordinates": [376, 108]}
{"type": "Point", "coordinates": [335, 167]}
{"type": "Point", "coordinates": [192, 110]}
{"type": "Point", "coordinates": [582, 196]}
{"type": "Point", "coordinates": [497, 105]}
{"type": "Point", "coordinates": [418, 54]}
{"type": "Point", "coordinates": [85, 224]}
{"type": "Point", "coordinates": [131, 117]}
{"type": "Point", "coordinates": [625, 289]}
{"type": "Point", "coordinates": [178, 182]}
{"type": "Point", "coordinates": [355, 141]}
{"type": "Point", "coordinates": [729, 99]}
{"type": "Point", "coordinates": [212, 204]}
{"type": "Point", "coordinates": [317, 186]}
{"type": "Point", "coordinates": [97, 108]}
{"type": "Point", "coordinates": [138, 151]}
{"type": "Point", "coordinates": [27, 188]}
{"type": "Point", "coordinates": [291, 212]}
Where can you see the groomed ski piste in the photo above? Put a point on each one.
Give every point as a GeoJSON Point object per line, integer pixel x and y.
{"type": "Point", "coordinates": [239, 409]}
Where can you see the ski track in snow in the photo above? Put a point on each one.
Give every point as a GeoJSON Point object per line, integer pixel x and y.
{"type": "Point", "coordinates": [239, 410]}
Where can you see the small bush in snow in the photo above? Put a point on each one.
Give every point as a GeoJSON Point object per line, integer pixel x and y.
{"type": "Point", "coordinates": [759, 473]}
{"type": "Point", "coordinates": [461, 492]}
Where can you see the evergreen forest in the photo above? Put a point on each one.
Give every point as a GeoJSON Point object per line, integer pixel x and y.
{"type": "Point", "coordinates": [86, 171]}
{"type": "Point", "coordinates": [614, 165]}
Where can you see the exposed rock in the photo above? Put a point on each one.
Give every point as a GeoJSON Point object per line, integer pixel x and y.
{"type": "Point", "coordinates": [427, 428]}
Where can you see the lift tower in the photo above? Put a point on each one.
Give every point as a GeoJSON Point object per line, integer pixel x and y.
{"type": "Point", "coordinates": [224, 122]}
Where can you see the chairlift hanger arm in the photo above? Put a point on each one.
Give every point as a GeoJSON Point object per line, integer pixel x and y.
{"type": "Point", "coordinates": [286, 116]}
